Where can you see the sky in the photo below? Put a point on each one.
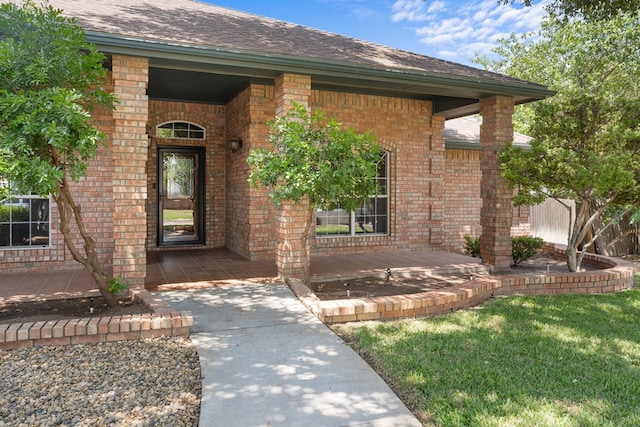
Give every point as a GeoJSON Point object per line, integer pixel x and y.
{"type": "Point", "coordinates": [454, 30]}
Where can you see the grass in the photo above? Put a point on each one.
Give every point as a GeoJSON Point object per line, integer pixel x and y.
{"type": "Point", "coordinates": [177, 214]}
{"type": "Point", "coordinates": [568, 360]}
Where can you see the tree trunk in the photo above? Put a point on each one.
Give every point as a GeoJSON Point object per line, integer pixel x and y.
{"type": "Point", "coordinates": [587, 214]}
{"type": "Point", "coordinates": [581, 225]}
{"type": "Point", "coordinates": [306, 249]}
{"type": "Point", "coordinates": [68, 209]}
{"type": "Point", "coordinates": [572, 258]}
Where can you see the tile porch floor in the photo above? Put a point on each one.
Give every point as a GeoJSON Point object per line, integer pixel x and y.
{"type": "Point", "coordinates": [201, 268]}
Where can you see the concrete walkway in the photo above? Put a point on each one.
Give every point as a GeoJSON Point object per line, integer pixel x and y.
{"type": "Point", "coordinates": [266, 361]}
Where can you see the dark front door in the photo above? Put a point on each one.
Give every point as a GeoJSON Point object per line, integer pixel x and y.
{"type": "Point", "coordinates": [180, 196]}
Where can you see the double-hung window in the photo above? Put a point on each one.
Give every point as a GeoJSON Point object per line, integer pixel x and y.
{"type": "Point", "coordinates": [372, 217]}
{"type": "Point", "coordinates": [25, 221]}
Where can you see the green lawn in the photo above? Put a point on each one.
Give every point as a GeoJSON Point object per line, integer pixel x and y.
{"type": "Point", "coordinates": [571, 360]}
{"type": "Point", "coordinates": [176, 214]}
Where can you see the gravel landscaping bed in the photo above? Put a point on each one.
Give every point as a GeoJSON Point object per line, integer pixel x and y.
{"type": "Point", "coordinates": [153, 382]}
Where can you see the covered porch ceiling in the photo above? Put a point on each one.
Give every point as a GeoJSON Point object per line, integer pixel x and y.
{"type": "Point", "coordinates": [172, 80]}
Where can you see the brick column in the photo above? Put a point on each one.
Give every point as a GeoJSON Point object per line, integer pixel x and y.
{"type": "Point", "coordinates": [130, 151]}
{"type": "Point", "coordinates": [291, 217]}
{"type": "Point", "coordinates": [496, 132]}
{"type": "Point", "coordinates": [435, 189]}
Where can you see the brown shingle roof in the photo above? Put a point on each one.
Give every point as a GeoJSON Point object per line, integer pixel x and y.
{"type": "Point", "coordinates": [466, 131]}
{"type": "Point", "coordinates": [202, 25]}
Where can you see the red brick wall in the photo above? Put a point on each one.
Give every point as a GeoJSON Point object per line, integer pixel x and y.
{"type": "Point", "coordinates": [404, 127]}
{"type": "Point", "coordinates": [521, 225]}
{"type": "Point", "coordinates": [249, 221]}
{"type": "Point", "coordinates": [413, 138]}
{"type": "Point", "coordinates": [95, 197]}
{"type": "Point", "coordinates": [130, 149]}
{"type": "Point", "coordinates": [463, 202]}
{"type": "Point", "coordinates": [290, 217]}
{"type": "Point", "coordinates": [496, 132]}
{"type": "Point", "coordinates": [212, 119]}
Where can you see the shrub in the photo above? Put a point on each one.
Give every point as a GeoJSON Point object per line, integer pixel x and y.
{"type": "Point", "coordinates": [472, 246]}
{"type": "Point", "coordinates": [117, 285]}
{"type": "Point", "coordinates": [524, 247]}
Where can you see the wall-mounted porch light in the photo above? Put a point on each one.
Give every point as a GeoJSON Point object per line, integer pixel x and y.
{"type": "Point", "coordinates": [235, 144]}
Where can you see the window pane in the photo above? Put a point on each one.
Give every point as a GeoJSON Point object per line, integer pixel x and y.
{"type": "Point", "coordinates": [39, 209]}
{"type": "Point", "coordinates": [164, 133]}
{"type": "Point", "coordinates": [371, 217]}
{"type": "Point", "coordinates": [4, 234]}
{"type": "Point", "coordinates": [332, 222]}
{"type": "Point", "coordinates": [24, 221]}
{"type": "Point", "coordinates": [364, 217]}
{"type": "Point", "coordinates": [40, 234]}
{"type": "Point", "coordinates": [19, 234]}
{"type": "Point", "coordinates": [179, 130]}
{"type": "Point", "coordinates": [381, 218]}
{"type": "Point", "coordinates": [382, 176]}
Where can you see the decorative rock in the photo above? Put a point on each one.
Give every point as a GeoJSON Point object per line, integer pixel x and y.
{"type": "Point", "coordinates": [124, 383]}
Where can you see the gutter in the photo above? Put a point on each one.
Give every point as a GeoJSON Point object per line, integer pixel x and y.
{"type": "Point", "coordinates": [281, 63]}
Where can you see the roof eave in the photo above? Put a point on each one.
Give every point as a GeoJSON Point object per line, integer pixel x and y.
{"type": "Point", "coordinates": [269, 65]}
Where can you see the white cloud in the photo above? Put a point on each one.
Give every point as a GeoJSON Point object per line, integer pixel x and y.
{"type": "Point", "coordinates": [437, 6]}
{"type": "Point", "coordinates": [447, 54]}
{"type": "Point", "coordinates": [479, 15]}
{"type": "Point", "coordinates": [459, 29]}
{"type": "Point", "coordinates": [359, 9]}
{"type": "Point", "coordinates": [361, 12]}
{"type": "Point", "coordinates": [416, 10]}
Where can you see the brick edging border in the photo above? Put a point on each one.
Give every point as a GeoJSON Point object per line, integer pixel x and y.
{"type": "Point", "coordinates": [615, 275]}
{"type": "Point", "coordinates": [161, 322]}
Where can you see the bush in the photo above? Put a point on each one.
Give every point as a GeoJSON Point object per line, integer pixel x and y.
{"type": "Point", "coordinates": [472, 246]}
{"type": "Point", "coordinates": [524, 247]}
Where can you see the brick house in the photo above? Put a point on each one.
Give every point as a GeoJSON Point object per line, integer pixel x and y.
{"type": "Point", "coordinates": [197, 84]}
{"type": "Point", "coordinates": [462, 183]}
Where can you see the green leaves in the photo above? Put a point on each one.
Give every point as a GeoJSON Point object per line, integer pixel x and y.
{"type": "Point", "coordinates": [314, 157]}
{"type": "Point", "coordinates": [587, 136]}
{"type": "Point", "coordinates": [50, 81]}
{"type": "Point", "coordinates": [588, 10]}
{"type": "Point", "coordinates": [41, 48]}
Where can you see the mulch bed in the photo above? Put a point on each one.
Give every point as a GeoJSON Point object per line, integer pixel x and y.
{"type": "Point", "coordinates": [32, 311]}
{"type": "Point", "coordinates": [368, 287]}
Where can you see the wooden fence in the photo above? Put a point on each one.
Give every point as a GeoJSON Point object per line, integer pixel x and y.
{"type": "Point", "coordinates": [550, 221]}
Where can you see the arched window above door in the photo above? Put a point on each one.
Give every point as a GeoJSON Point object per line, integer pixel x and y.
{"type": "Point", "coordinates": [180, 130]}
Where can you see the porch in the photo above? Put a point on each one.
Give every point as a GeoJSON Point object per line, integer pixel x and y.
{"type": "Point", "coordinates": [203, 268]}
